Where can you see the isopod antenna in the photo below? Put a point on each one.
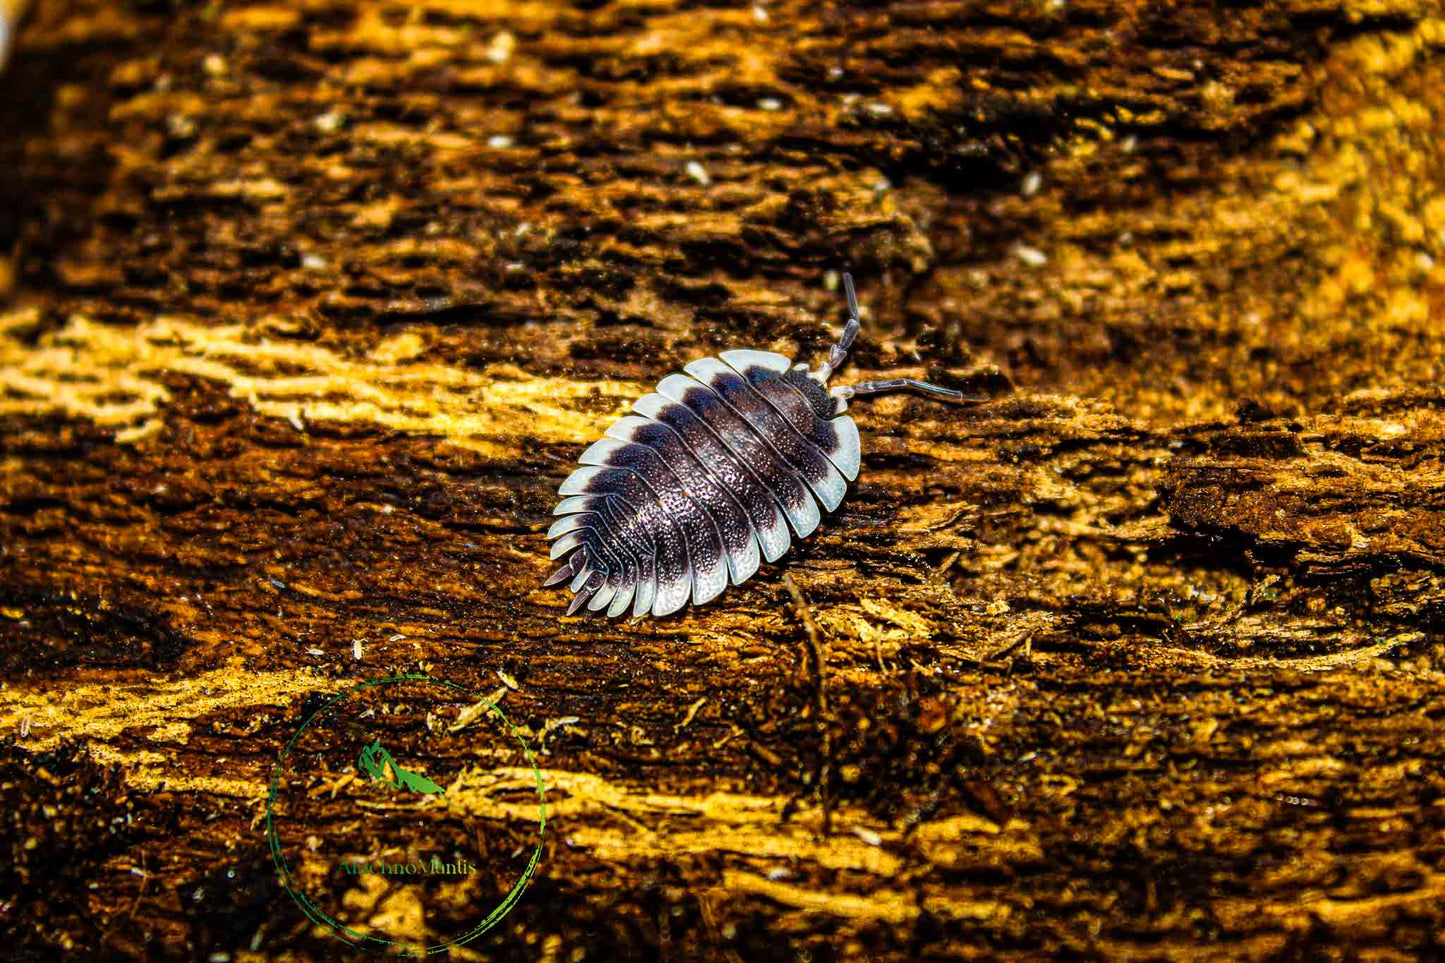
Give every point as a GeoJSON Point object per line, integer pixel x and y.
{"type": "Point", "coordinates": [838, 352]}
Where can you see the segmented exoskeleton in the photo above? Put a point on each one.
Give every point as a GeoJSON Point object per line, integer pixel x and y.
{"type": "Point", "coordinates": [704, 482]}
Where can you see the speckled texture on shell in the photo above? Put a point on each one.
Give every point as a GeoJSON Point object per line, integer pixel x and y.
{"type": "Point", "coordinates": [702, 484]}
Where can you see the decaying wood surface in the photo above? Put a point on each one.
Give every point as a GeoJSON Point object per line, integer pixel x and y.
{"type": "Point", "coordinates": [310, 306]}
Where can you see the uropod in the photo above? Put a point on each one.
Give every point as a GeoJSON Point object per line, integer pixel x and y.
{"type": "Point", "coordinates": [708, 477]}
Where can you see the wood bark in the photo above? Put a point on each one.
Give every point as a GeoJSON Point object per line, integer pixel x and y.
{"type": "Point", "coordinates": [309, 307]}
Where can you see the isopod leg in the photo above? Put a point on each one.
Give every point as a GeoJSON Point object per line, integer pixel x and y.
{"type": "Point", "coordinates": [588, 590]}
{"type": "Point", "coordinates": [569, 568]}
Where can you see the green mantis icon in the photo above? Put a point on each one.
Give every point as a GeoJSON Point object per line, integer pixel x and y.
{"type": "Point", "coordinates": [377, 761]}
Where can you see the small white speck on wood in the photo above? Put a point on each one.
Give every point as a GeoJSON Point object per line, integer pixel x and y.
{"type": "Point", "coordinates": [500, 50]}
{"type": "Point", "coordinates": [698, 173]}
{"type": "Point", "coordinates": [1031, 256]}
{"type": "Point", "coordinates": [553, 724]}
{"type": "Point", "coordinates": [868, 836]}
{"type": "Point", "coordinates": [470, 714]}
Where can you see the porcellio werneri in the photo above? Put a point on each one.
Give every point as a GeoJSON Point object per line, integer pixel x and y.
{"type": "Point", "coordinates": [706, 479]}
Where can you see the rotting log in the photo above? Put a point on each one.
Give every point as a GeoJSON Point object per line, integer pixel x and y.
{"type": "Point", "coordinates": [309, 307]}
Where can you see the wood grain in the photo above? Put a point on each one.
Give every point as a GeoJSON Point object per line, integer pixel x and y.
{"type": "Point", "coordinates": [309, 307]}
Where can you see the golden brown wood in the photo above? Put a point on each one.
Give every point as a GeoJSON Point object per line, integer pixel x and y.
{"type": "Point", "coordinates": [310, 306]}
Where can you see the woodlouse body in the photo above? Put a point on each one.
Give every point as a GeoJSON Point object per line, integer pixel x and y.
{"type": "Point", "coordinates": [708, 477]}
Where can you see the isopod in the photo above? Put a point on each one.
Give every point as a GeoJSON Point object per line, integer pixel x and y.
{"type": "Point", "coordinates": [706, 479]}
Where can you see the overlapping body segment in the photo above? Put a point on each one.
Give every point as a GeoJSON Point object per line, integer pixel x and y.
{"type": "Point", "coordinates": [701, 485]}
{"type": "Point", "coordinates": [717, 470]}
